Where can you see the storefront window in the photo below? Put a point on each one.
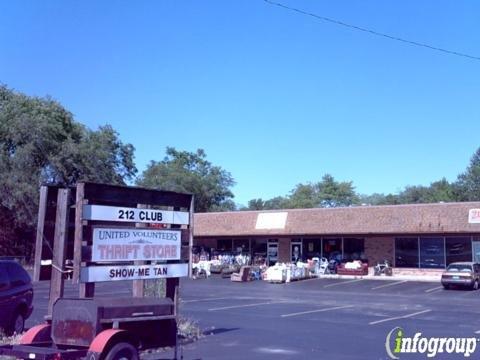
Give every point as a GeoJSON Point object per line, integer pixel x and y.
{"type": "Point", "coordinates": [353, 249]}
{"type": "Point", "coordinates": [432, 252]}
{"type": "Point", "coordinates": [476, 249]}
{"type": "Point", "coordinates": [312, 248]}
{"type": "Point", "coordinates": [406, 252]}
{"type": "Point", "coordinates": [272, 252]}
{"type": "Point", "coordinates": [224, 245]}
{"type": "Point", "coordinates": [332, 248]}
{"type": "Point", "coordinates": [259, 251]}
{"type": "Point", "coordinates": [241, 246]}
{"type": "Point", "coordinates": [458, 249]}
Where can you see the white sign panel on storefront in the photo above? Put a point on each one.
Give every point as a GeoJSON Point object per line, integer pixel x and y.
{"type": "Point", "coordinates": [123, 214]}
{"type": "Point", "coordinates": [133, 272]}
{"type": "Point", "coordinates": [267, 221]}
{"type": "Point", "coordinates": [474, 216]}
{"type": "Point", "coordinates": [130, 244]}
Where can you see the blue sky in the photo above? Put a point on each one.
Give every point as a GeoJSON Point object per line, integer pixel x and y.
{"type": "Point", "coordinates": [274, 97]}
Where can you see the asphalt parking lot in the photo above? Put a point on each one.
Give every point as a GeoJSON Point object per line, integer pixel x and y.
{"type": "Point", "coordinates": [310, 319]}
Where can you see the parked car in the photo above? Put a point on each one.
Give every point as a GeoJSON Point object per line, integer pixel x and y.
{"type": "Point", "coordinates": [16, 296]}
{"type": "Point", "coordinates": [466, 274]}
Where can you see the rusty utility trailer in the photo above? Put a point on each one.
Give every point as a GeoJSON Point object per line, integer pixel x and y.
{"type": "Point", "coordinates": [100, 329]}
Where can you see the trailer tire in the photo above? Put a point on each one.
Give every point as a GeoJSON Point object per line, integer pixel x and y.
{"type": "Point", "coordinates": [122, 351]}
{"type": "Point", "coordinates": [17, 323]}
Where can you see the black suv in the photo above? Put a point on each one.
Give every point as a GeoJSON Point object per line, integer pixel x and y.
{"type": "Point", "coordinates": [16, 295]}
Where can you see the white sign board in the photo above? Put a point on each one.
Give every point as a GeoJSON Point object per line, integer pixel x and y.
{"type": "Point", "coordinates": [129, 244]}
{"type": "Point", "coordinates": [276, 220]}
{"type": "Point", "coordinates": [123, 214]}
{"type": "Point", "coordinates": [133, 272]}
{"type": "Point", "coordinates": [474, 216]}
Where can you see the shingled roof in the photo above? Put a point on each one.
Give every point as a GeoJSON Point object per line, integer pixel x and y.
{"type": "Point", "coordinates": [361, 220]}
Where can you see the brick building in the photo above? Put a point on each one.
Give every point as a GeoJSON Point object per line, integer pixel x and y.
{"type": "Point", "coordinates": [420, 236]}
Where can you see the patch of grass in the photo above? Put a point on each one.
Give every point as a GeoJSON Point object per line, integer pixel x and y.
{"type": "Point", "coordinates": [8, 340]}
{"type": "Point", "coordinates": [188, 329]}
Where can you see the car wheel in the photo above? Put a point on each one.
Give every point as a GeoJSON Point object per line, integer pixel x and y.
{"type": "Point", "coordinates": [446, 286]}
{"type": "Point", "coordinates": [475, 285]}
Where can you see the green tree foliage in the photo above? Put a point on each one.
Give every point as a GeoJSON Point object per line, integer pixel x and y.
{"type": "Point", "coordinates": [443, 190]}
{"type": "Point", "coordinates": [98, 156]}
{"type": "Point", "coordinates": [379, 199]}
{"type": "Point", "coordinates": [9, 238]}
{"type": "Point", "coordinates": [255, 204]}
{"type": "Point", "coordinates": [304, 196]}
{"type": "Point", "coordinates": [438, 191]}
{"type": "Point", "coordinates": [226, 205]}
{"type": "Point", "coordinates": [190, 172]}
{"type": "Point", "coordinates": [414, 195]}
{"type": "Point", "coordinates": [278, 202]}
{"type": "Point", "coordinates": [31, 131]}
{"type": "Point", "coordinates": [334, 193]}
{"type": "Point", "coordinates": [468, 183]}
{"type": "Point", "coordinates": [40, 142]}
{"type": "Point", "coordinates": [326, 193]}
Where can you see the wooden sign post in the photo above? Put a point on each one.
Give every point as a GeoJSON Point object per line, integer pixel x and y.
{"type": "Point", "coordinates": [59, 248]}
{"type": "Point", "coordinates": [42, 209]}
{"type": "Point", "coordinates": [158, 224]}
{"type": "Point", "coordinates": [126, 233]}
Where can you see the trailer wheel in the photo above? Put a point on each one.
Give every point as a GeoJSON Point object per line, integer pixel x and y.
{"type": "Point", "coordinates": [122, 351]}
{"type": "Point", "coordinates": [17, 323]}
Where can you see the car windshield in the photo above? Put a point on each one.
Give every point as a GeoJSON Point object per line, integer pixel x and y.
{"type": "Point", "coordinates": [459, 267]}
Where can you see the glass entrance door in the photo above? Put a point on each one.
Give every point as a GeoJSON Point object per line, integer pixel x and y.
{"type": "Point", "coordinates": [272, 252]}
{"type": "Point", "coordinates": [476, 251]}
{"type": "Point", "coordinates": [296, 251]}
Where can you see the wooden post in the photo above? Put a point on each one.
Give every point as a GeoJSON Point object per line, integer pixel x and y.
{"type": "Point", "coordinates": [172, 285]}
{"type": "Point", "coordinates": [42, 209]}
{"type": "Point", "coordinates": [85, 290]}
{"type": "Point", "coordinates": [138, 286]}
{"type": "Point", "coordinates": [77, 242]}
{"type": "Point", "coordinates": [190, 237]}
{"type": "Point", "coordinates": [59, 247]}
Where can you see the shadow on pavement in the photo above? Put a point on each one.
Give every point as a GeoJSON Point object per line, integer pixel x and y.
{"type": "Point", "coordinates": [218, 331]}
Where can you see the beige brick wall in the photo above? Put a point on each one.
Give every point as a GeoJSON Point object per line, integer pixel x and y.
{"type": "Point", "coordinates": [283, 250]}
{"type": "Point", "coordinates": [379, 248]}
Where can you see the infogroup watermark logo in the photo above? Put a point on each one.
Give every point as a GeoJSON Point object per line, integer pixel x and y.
{"type": "Point", "coordinates": [397, 344]}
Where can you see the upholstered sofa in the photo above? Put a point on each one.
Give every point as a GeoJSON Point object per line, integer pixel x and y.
{"type": "Point", "coordinates": [363, 270]}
